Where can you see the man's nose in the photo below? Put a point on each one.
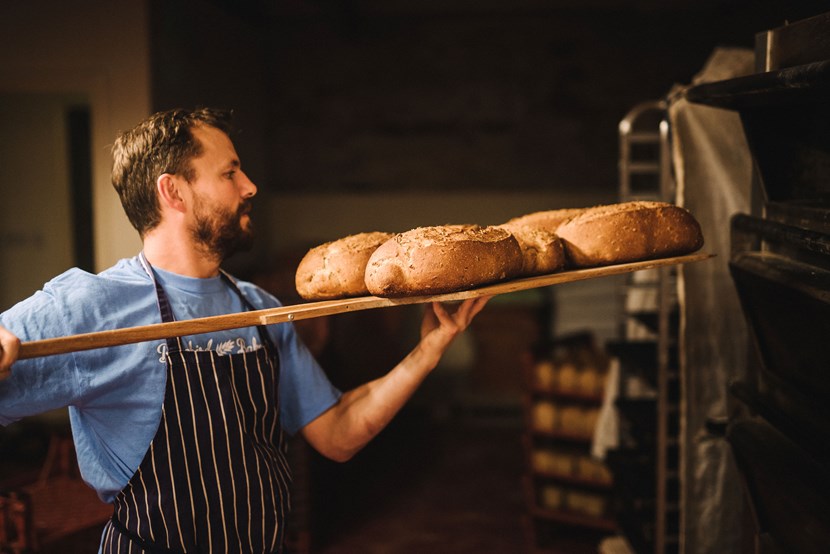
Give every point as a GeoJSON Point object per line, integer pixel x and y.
{"type": "Point", "coordinates": [247, 188]}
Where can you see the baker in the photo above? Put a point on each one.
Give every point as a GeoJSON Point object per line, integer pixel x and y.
{"type": "Point", "coordinates": [185, 437]}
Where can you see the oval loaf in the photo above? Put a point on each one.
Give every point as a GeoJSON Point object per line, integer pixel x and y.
{"type": "Point", "coordinates": [549, 220]}
{"type": "Point", "coordinates": [542, 250]}
{"type": "Point", "coordinates": [336, 269]}
{"type": "Point", "coordinates": [629, 232]}
{"type": "Point", "coordinates": [442, 259]}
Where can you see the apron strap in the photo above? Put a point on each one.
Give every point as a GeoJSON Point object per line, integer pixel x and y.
{"type": "Point", "coordinates": [175, 343]}
{"type": "Point", "coordinates": [263, 332]}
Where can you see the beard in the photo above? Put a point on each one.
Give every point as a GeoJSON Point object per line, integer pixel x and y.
{"type": "Point", "coordinates": [220, 231]}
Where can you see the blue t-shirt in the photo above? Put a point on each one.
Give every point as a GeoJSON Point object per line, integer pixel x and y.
{"type": "Point", "coordinates": [115, 394]}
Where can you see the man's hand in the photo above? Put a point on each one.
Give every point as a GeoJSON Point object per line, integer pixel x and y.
{"type": "Point", "coordinates": [9, 346]}
{"type": "Point", "coordinates": [440, 327]}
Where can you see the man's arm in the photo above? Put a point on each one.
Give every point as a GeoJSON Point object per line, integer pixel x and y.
{"type": "Point", "coordinates": [9, 346]}
{"type": "Point", "coordinates": [340, 432]}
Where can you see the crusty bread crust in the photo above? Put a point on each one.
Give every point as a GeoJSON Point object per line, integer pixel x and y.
{"type": "Point", "coordinates": [542, 249]}
{"type": "Point", "coordinates": [442, 259]}
{"type": "Point", "coordinates": [336, 269]}
{"type": "Point", "coordinates": [547, 219]}
{"type": "Point", "coordinates": [629, 232]}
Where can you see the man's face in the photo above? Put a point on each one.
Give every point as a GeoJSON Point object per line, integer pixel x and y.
{"type": "Point", "coordinates": [221, 230]}
{"type": "Point", "coordinates": [221, 220]}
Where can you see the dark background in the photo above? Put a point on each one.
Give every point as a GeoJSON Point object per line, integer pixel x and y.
{"type": "Point", "coordinates": [370, 96]}
{"type": "Point", "coordinates": [422, 99]}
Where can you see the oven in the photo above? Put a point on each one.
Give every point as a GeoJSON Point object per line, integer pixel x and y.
{"type": "Point", "coordinates": [779, 422]}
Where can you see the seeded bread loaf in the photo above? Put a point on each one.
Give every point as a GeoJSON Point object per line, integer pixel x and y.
{"type": "Point", "coordinates": [542, 250]}
{"type": "Point", "coordinates": [442, 259]}
{"type": "Point", "coordinates": [629, 232]}
{"type": "Point", "coordinates": [336, 269]}
{"type": "Point", "coordinates": [547, 219]}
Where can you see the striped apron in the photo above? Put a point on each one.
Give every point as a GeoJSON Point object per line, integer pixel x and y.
{"type": "Point", "coordinates": [215, 477]}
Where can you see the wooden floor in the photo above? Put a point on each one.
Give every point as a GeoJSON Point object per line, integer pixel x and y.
{"type": "Point", "coordinates": [448, 487]}
{"type": "Point", "coordinates": [426, 487]}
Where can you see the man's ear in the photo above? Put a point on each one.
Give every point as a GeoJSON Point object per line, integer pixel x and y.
{"type": "Point", "coordinates": [168, 187]}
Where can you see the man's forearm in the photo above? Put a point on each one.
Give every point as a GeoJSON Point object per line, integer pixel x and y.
{"type": "Point", "coordinates": [362, 413]}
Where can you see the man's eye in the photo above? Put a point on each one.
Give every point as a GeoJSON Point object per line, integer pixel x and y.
{"type": "Point", "coordinates": [230, 174]}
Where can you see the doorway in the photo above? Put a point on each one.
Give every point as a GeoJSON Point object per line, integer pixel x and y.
{"type": "Point", "coordinates": [46, 181]}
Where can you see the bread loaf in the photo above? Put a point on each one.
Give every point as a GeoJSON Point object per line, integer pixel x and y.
{"type": "Point", "coordinates": [629, 232]}
{"type": "Point", "coordinates": [542, 250]}
{"type": "Point", "coordinates": [442, 259]}
{"type": "Point", "coordinates": [547, 219]}
{"type": "Point", "coordinates": [336, 269]}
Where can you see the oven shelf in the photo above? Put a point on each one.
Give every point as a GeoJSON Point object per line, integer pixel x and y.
{"type": "Point", "coordinates": [817, 242]}
{"type": "Point", "coordinates": [799, 85]}
{"type": "Point", "coordinates": [802, 419]}
{"type": "Point", "coordinates": [790, 487]}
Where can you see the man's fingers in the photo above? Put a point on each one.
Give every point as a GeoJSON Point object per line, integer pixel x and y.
{"type": "Point", "coordinates": [441, 313]}
{"type": "Point", "coordinates": [476, 306]}
{"type": "Point", "coordinates": [469, 309]}
{"type": "Point", "coordinates": [463, 315]}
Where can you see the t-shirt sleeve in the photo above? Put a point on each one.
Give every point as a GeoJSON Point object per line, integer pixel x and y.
{"type": "Point", "coordinates": [305, 390]}
{"type": "Point", "coordinates": [39, 384]}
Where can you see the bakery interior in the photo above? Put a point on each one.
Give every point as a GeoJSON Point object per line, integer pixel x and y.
{"type": "Point", "coordinates": [678, 409]}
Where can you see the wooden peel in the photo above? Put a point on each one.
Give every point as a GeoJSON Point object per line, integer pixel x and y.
{"type": "Point", "coordinates": [130, 335]}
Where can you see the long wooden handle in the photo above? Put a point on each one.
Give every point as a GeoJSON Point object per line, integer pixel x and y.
{"type": "Point", "coordinates": [158, 331]}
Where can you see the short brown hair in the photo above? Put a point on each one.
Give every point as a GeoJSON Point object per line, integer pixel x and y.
{"type": "Point", "coordinates": [162, 143]}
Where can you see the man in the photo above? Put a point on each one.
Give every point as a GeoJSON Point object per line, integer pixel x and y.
{"type": "Point", "coordinates": [185, 436]}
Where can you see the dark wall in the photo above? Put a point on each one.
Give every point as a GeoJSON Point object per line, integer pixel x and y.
{"type": "Point", "coordinates": [402, 95]}
{"type": "Point", "coordinates": [492, 96]}
{"type": "Point", "coordinates": [206, 54]}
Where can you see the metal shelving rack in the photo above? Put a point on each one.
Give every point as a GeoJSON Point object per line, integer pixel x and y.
{"type": "Point", "coordinates": [553, 483]}
{"type": "Point", "coordinates": [645, 173]}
